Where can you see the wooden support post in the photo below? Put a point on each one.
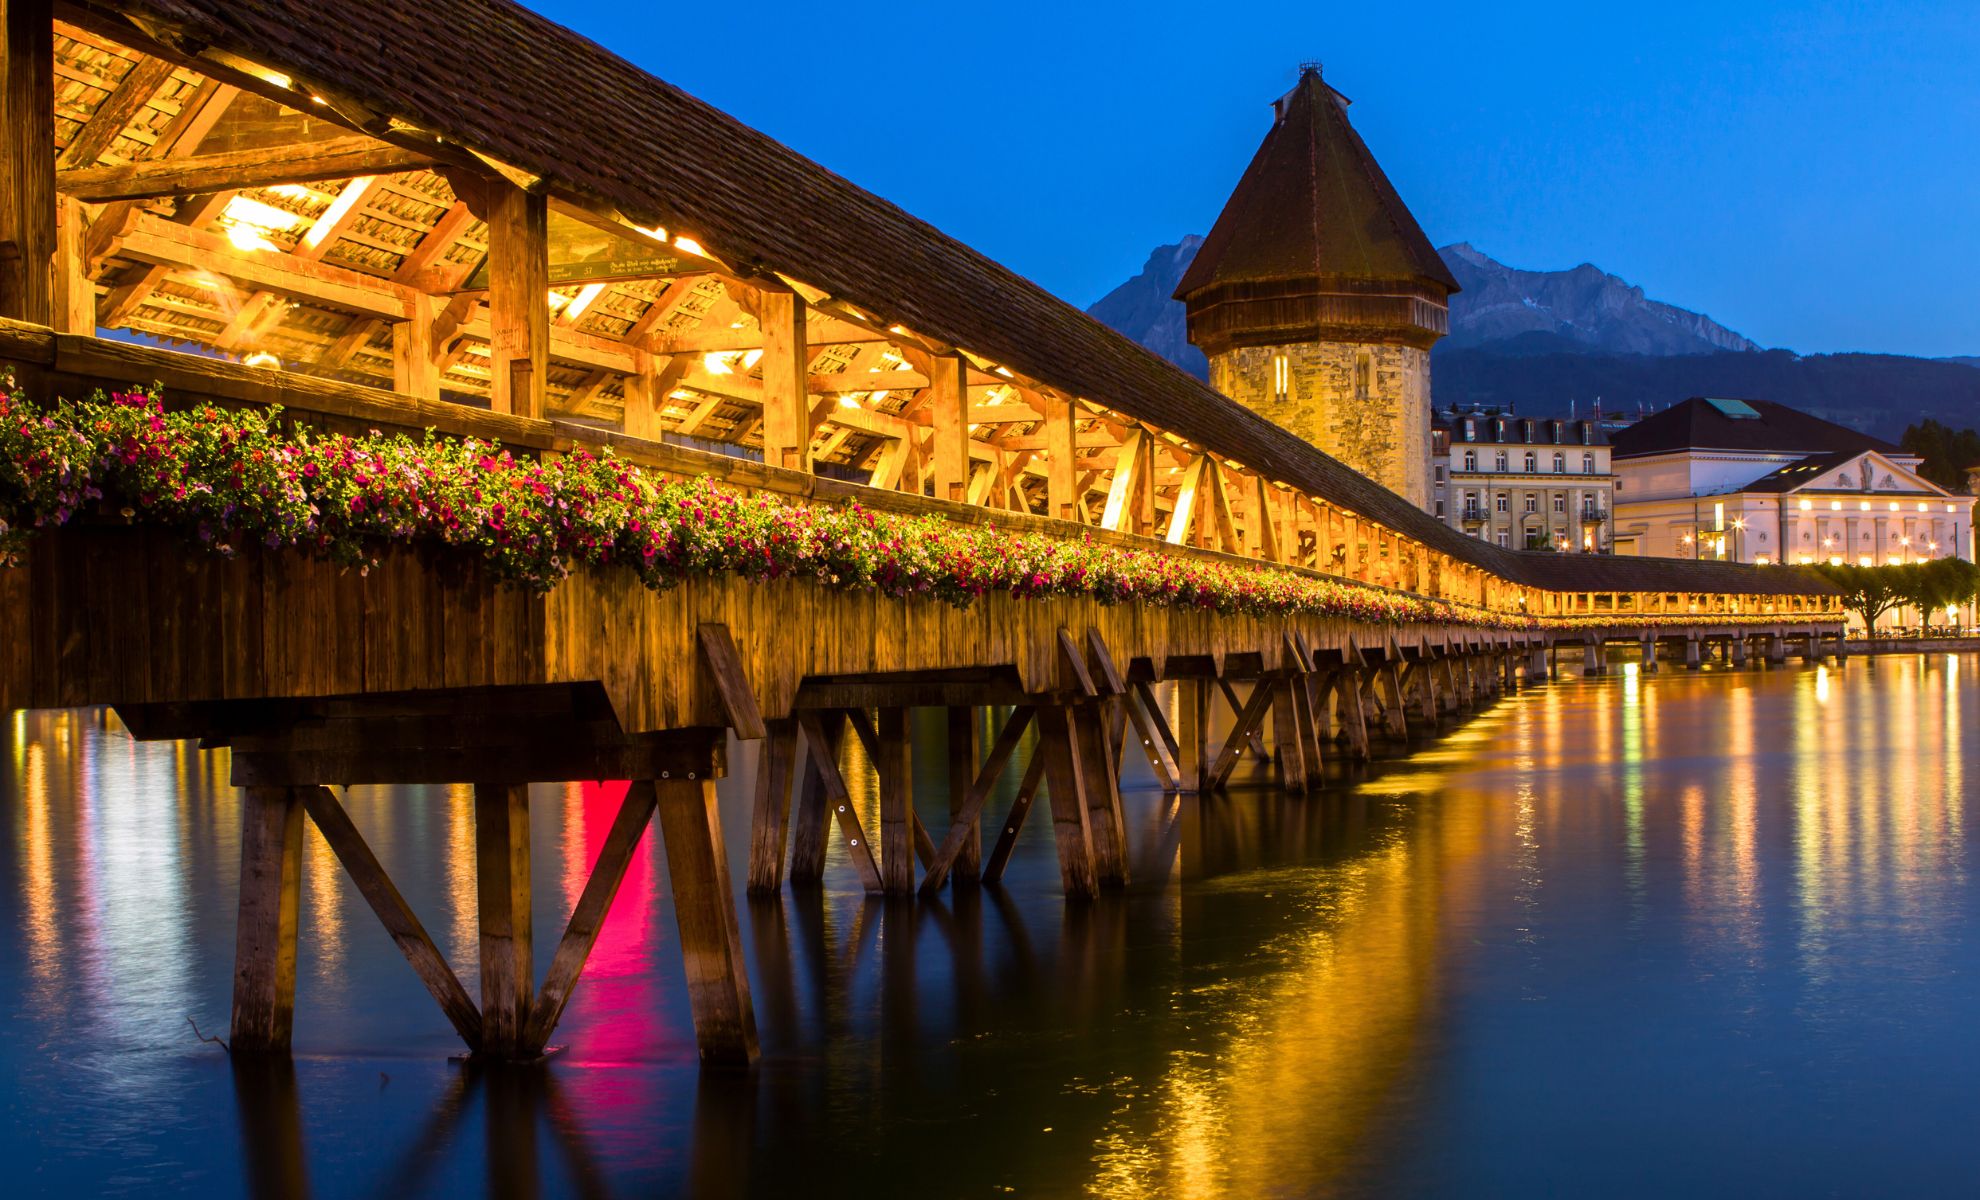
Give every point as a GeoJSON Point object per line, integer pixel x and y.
{"type": "Point", "coordinates": [1193, 719]}
{"type": "Point", "coordinates": [1290, 747]}
{"type": "Point", "coordinates": [1692, 652]}
{"type": "Point", "coordinates": [265, 925]}
{"type": "Point", "coordinates": [946, 401]}
{"type": "Point", "coordinates": [1429, 704]}
{"type": "Point", "coordinates": [75, 298]}
{"type": "Point", "coordinates": [962, 777]}
{"type": "Point", "coordinates": [27, 168]}
{"type": "Point", "coordinates": [502, 893]}
{"type": "Point", "coordinates": [705, 908]}
{"type": "Point", "coordinates": [588, 917]}
{"type": "Point", "coordinates": [1389, 681]}
{"type": "Point", "coordinates": [1649, 654]}
{"type": "Point", "coordinates": [893, 765]}
{"type": "Point", "coordinates": [1354, 714]}
{"type": "Point", "coordinates": [1309, 697]}
{"type": "Point", "coordinates": [415, 367]}
{"type": "Point", "coordinates": [518, 299]}
{"type": "Point", "coordinates": [1061, 459]}
{"type": "Point", "coordinates": [814, 813]}
{"type": "Point", "coordinates": [771, 813]}
{"type": "Point", "coordinates": [394, 913]}
{"type": "Point", "coordinates": [825, 764]}
{"type": "Point", "coordinates": [1106, 826]}
{"type": "Point", "coordinates": [785, 363]}
{"type": "Point", "coordinates": [1058, 744]}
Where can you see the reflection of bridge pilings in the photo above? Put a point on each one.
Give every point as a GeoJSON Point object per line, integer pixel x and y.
{"type": "Point", "coordinates": [518, 1103]}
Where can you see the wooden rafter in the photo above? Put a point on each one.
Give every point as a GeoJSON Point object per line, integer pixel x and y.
{"type": "Point", "coordinates": [151, 179]}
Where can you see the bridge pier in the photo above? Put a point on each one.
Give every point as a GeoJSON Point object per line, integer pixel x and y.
{"type": "Point", "coordinates": [1595, 658]}
{"type": "Point", "coordinates": [266, 920]}
{"type": "Point", "coordinates": [1736, 650]}
{"type": "Point", "coordinates": [1776, 650]}
{"type": "Point", "coordinates": [1693, 648]}
{"type": "Point", "coordinates": [1649, 650]}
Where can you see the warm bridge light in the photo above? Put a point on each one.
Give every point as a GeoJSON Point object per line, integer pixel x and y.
{"type": "Point", "coordinates": [261, 358]}
{"type": "Point", "coordinates": [691, 246]}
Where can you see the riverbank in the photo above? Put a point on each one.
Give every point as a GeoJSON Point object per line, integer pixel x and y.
{"type": "Point", "coordinates": [1931, 645]}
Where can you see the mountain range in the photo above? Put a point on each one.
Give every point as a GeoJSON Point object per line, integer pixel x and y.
{"type": "Point", "coordinates": [1549, 343]}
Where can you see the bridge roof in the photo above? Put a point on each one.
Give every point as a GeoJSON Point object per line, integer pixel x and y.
{"type": "Point", "coordinates": [518, 89]}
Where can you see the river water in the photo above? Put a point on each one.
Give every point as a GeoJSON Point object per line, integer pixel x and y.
{"type": "Point", "coordinates": [1704, 934]}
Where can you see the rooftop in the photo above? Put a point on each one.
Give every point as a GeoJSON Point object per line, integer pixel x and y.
{"type": "Point", "coordinates": [1758, 426]}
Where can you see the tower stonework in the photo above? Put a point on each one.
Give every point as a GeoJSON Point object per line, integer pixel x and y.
{"type": "Point", "coordinates": [1317, 297]}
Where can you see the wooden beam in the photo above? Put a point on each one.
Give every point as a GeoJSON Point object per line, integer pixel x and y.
{"type": "Point", "coordinates": [502, 895]}
{"type": "Point", "coordinates": [75, 296]}
{"type": "Point", "coordinates": [1000, 853]}
{"type": "Point", "coordinates": [1189, 500]}
{"type": "Point", "coordinates": [825, 763]}
{"type": "Point", "coordinates": [724, 665]}
{"type": "Point", "coordinates": [265, 925]}
{"type": "Point", "coordinates": [239, 170]}
{"type": "Point", "coordinates": [423, 257]}
{"type": "Point", "coordinates": [705, 911]}
{"type": "Point", "coordinates": [27, 161]}
{"type": "Point", "coordinates": [518, 299]}
{"type": "Point", "coordinates": [165, 243]}
{"type": "Point", "coordinates": [948, 411]}
{"type": "Point", "coordinates": [772, 810]}
{"type": "Point", "coordinates": [1129, 465]}
{"type": "Point", "coordinates": [893, 764]}
{"type": "Point", "coordinates": [415, 370]}
{"type": "Point", "coordinates": [965, 815]}
{"type": "Point", "coordinates": [1062, 495]}
{"type": "Point", "coordinates": [588, 916]}
{"type": "Point", "coordinates": [114, 114]}
{"type": "Point", "coordinates": [393, 912]}
{"type": "Point", "coordinates": [335, 220]}
{"type": "Point", "coordinates": [786, 355]}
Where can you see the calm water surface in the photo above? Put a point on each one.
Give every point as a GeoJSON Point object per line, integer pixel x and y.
{"type": "Point", "coordinates": [1699, 934]}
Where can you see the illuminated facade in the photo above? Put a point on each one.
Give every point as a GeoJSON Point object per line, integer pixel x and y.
{"type": "Point", "coordinates": [1755, 482]}
{"type": "Point", "coordinates": [1522, 482]}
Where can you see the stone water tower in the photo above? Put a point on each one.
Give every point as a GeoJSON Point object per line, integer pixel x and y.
{"type": "Point", "coordinates": [1317, 297]}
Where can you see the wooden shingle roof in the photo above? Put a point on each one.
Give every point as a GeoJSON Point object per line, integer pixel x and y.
{"type": "Point", "coordinates": [1314, 206]}
{"type": "Point", "coordinates": [508, 84]}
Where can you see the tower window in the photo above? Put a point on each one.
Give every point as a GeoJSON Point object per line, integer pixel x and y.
{"type": "Point", "coordinates": [1364, 375]}
{"type": "Point", "coordinates": [1281, 377]}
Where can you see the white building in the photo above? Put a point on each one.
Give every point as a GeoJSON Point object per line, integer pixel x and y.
{"type": "Point", "coordinates": [1757, 482]}
{"type": "Point", "coordinates": [1524, 482]}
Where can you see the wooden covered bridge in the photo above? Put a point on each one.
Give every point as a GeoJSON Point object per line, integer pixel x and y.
{"type": "Point", "coordinates": [337, 208]}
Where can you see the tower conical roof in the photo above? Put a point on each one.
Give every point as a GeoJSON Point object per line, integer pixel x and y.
{"type": "Point", "coordinates": [1313, 206]}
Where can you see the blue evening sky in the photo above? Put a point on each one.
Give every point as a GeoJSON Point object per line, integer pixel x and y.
{"type": "Point", "coordinates": [1808, 174]}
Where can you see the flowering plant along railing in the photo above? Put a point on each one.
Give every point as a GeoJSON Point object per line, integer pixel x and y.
{"type": "Point", "coordinates": [234, 478]}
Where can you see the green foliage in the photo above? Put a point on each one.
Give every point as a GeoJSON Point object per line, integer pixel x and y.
{"type": "Point", "coordinates": [1947, 452]}
{"type": "Point", "coordinates": [1930, 587]}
